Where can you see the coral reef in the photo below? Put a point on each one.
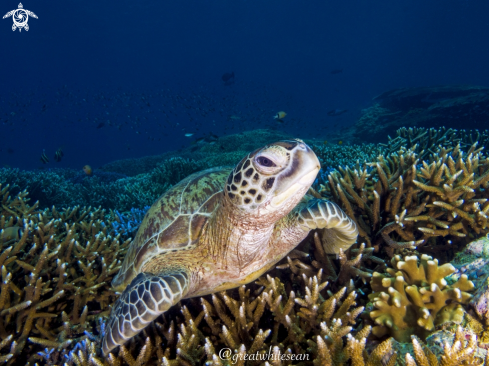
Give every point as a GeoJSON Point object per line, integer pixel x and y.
{"type": "Point", "coordinates": [457, 349]}
{"type": "Point", "coordinates": [303, 329]}
{"type": "Point", "coordinates": [413, 201]}
{"type": "Point", "coordinates": [473, 261]}
{"type": "Point", "coordinates": [344, 270]}
{"type": "Point", "coordinates": [132, 183]}
{"type": "Point", "coordinates": [413, 296]}
{"type": "Point", "coordinates": [427, 140]}
{"type": "Point", "coordinates": [449, 106]}
{"type": "Point", "coordinates": [126, 224]}
{"type": "Point", "coordinates": [224, 150]}
{"type": "Point", "coordinates": [56, 286]}
{"type": "Point", "coordinates": [67, 188]}
{"type": "Point", "coordinates": [55, 275]}
{"type": "Point", "coordinates": [334, 156]}
{"type": "Point", "coordinates": [441, 203]}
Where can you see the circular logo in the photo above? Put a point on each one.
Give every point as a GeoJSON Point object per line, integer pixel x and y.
{"type": "Point", "coordinates": [20, 18]}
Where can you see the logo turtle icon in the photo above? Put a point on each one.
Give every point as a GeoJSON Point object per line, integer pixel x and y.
{"type": "Point", "coordinates": [20, 17]}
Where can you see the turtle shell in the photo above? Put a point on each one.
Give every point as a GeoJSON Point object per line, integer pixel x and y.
{"type": "Point", "coordinates": [174, 222]}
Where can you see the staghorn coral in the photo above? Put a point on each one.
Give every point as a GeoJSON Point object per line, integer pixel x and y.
{"type": "Point", "coordinates": [333, 156]}
{"type": "Point", "coordinates": [413, 296]}
{"type": "Point", "coordinates": [348, 267]}
{"type": "Point", "coordinates": [127, 223]}
{"type": "Point", "coordinates": [416, 203]}
{"type": "Point", "coordinates": [427, 140]}
{"type": "Point", "coordinates": [55, 275]}
{"type": "Point", "coordinates": [306, 331]}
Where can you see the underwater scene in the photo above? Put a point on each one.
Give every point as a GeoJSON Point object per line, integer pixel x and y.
{"type": "Point", "coordinates": [274, 183]}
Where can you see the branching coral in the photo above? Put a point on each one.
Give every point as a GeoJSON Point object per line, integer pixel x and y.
{"type": "Point", "coordinates": [343, 272]}
{"type": "Point", "coordinates": [126, 224]}
{"type": "Point", "coordinates": [413, 296]}
{"type": "Point", "coordinates": [427, 140]}
{"type": "Point", "coordinates": [306, 330]}
{"type": "Point", "coordinates": [416, 203]}
{"type": "Point", "coordinates": [55, 275]}
{"type": "Point", "coordinates": [56, 285]}
{"type": "Point", "coordinates": [333, 156]}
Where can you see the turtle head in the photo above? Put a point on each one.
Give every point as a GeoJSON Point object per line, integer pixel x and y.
{"type": "Point", "coordinates": [273, 179]}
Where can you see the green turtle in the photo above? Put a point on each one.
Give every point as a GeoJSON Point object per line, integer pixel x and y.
{"type": "Point", "coordinates": [219, 229]}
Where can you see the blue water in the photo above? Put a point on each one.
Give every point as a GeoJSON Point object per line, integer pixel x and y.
{"type": "Point", "coordinates": [146, 73]}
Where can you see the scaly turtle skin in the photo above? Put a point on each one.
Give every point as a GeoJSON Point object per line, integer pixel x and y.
{"type": "Point", "coordinates": [219, 229]}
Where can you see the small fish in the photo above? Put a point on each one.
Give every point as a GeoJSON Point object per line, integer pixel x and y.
{"type": "Point", "coordinates": [189, 134]}
{"type": "Point", "coordinates": [336, 71]}
{"type": "Point", "coordinates": [9, 233]}
{"type": "Point", "coordinates": [100, 125]}
{"type": "Point", "coordinates": [280, 116]}
{"type": "Point", "coordinates": [336, 112]}
{"type": "Point", "coordinates": [209, 138]}
{"type": "Point", "coordinates": [88, 170]}
{"type": "Point", "coordinates": [58, 155]}
{"type": "Point", "coordinates": [340, 142]}
{"type": "Point", "coordinates": [325, 142]}
{"type": "Point", "coordinates": [44, 157]}
{"type": "Point", "coordinates": [10, 150]}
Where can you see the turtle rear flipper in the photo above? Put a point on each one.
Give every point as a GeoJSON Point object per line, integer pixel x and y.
{"type": "Point", "coordinates": [146, 297]}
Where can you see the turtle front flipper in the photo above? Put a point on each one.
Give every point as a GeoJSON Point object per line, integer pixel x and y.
{"type": "Point", "coordinates": [146, 297]}
{"type": "Point", "coordinates": [340, 231]}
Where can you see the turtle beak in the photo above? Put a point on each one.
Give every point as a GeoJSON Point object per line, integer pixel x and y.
{"type": "Point", "coordinates": [298, 177]}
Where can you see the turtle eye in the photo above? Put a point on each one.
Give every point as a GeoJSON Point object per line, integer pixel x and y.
{"type": "Point", "coordinates": [263, 161]}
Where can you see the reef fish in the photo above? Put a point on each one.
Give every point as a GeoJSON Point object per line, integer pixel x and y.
{"type": "Point", "coordinates": [337, 112]}
{"type": "Point", "coordinates": [58, 155]}
{"type": "Point", "coordinates": [88, 170]}
{"type": "Point", "coordinates": [280, 116]}
{"type": "Point", "coordinates": [209, 138]}
{"type": "Point", "coordinates": [9, 233]}
{"type": "Point", "coordinates": [44, 157]}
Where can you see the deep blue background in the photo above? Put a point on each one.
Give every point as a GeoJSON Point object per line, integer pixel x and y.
{"type": "Point", "coordinates": [83, 63]}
